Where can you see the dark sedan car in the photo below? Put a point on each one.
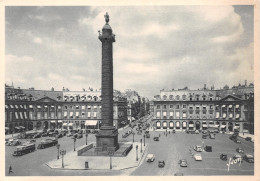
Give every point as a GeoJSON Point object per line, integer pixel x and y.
{"type": "Point", "coordinates": [161, 164]}
{"type": "Point", "coordinates": [240, 150]}
{"type": "Point", "coordinates": [183, 163]}
{"type": "Point", "coordinates": [156, 138]}
{"type": "Point", "coordinates": [223, 157]}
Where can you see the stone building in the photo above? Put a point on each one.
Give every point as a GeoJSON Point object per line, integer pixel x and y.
{"type": "Point", "coordinates": [225, 109]}
{"type": "Point", "coordinates": [31, 109]}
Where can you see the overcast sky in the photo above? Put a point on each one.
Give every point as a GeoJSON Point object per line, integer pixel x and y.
{"type": "Point", "coordinates": [156, 47]}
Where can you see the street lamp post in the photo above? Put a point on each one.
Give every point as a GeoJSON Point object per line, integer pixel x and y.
{"type": "Point", "coordinates": [62, 152]}
{"type": "Point", "coordinates": [86, 137]}
{"type": "Point", "coordinates": [144, 139]}
{"type": "Point", "coordinates": [133, 136]}
{"type": "Point", "coordinates": [110, 153]}
{"type": "Point", "coordinates": [58, 148]}
{"type": "Point", "coordinates": [136, 152]}
{"type": "Point", "coordinates": [74, 143]}
{"type": "Point", "coordinates": [141, 145]}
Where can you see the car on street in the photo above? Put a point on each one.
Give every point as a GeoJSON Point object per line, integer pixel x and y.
{"type": "Point", "coordinates": [69, 134]}
{"type": "Point", "coordinates": [161, 164]}
{"type": "Point", "coordinates": [44, 134]}
{"type": "Point", "coordinates": [197, 157]}
{"type": "Point", "coordinates": [79, 136]}
{"type": "Point", "coordinates": [150, 158]}
{"type": "Point", "coordinates": [223, 157]}
{"type": "Point", "coordinates": [208, 148]}
{"type": "Point", "coordinates": [248, 139]}
{"type": "Point", "coordinates": [173, 131]}
{"type": "Point", "coordinates": [204, 136]}
{"type": "Point", "coordinates": [15, 143]}
{"type": "Point", "coordinates": [240, 150]}
{"type": "Point", "coordinates": [211, 136]}
{"type": "Point", "coordinates": [183, 163]}
{"type": "Point", "coordinates": [204, 132]}
{"type": "Point", "coordinates": [237, 141]}
{"type": "Point", "coordinates": [198, 148]}
{"type": "Point", "coordinates": [187, 131]}
{"type": "Point", "coordinates": [248, 158]}
{"type": "Point", "coordinates": [156, 138]}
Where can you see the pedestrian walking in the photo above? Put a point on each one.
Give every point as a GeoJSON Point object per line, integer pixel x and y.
{"type": "Point", "coordinates": [10, 169]}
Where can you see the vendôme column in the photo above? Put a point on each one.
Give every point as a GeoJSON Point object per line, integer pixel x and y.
{"type": "Point", "coordinates": [107, 138]}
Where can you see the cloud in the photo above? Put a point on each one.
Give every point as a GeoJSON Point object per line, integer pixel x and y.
{"type": "Point", "coordinates": [37, 40]}
{"type": "Point", "coordinates": [156, 47]}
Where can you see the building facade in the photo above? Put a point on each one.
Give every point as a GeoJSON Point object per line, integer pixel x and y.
{"type": "Point", "coordinates": [31, 109]}
{"type": "Point", "coordinates": [225, 109]}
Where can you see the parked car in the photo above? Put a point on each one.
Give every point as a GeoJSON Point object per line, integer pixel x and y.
{"type": "Point", "coordinates": [150, 158]}
{"type": "Point", "coordinates": [15, 143]}
{"type": "Point", "coordinates": [161, 164]}
{"type": "Point", "coordinates": [223, 157]}
{"type": "Point", "coordinates": [193, 132]}
{"type": "Point", "coordinates": [198, 148]}
{"type": "Point", "coordinates": [208, 148]}
{"type": "Point", "coordinates": [248, 139]}
{"type": "Point", "coordinates": [156, 138]}
{"type": "Point", "coordinates": [173, 131]}
{"type": "Point", "coordinates": [38, 135]}
{"type": "Point", "coordinates": [249, 158]}
{"type": "Point", "coordinates": [183, 163]}
{"type": "Point", "coordinates": [44, 134]}
{"type": "Point", "coordinates": [240, 150]}
{"type": "Point", "coordinates": [204, 136]}
{"type": "Point", "coordinates": [237, 141]}
{"type": "Point", "coordinates": [198, 157]}
{"type": "Point", "coordinates": [211, 136]}
{"type": "Point", "coordinates": [80, 136]}
{"type": "Point", "coordinates": [147, 135]}
{"type": "Point", "coordinates": [69, 134]}
{"type": "Point", "coordinates": [187, 131]}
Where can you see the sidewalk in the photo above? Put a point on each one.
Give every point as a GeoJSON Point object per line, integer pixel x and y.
{"type": "Point", "coordinates": [72, 161]}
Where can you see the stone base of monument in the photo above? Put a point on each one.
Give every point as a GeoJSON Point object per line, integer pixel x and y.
{"type": "Point", "coordinates": [91, 150]}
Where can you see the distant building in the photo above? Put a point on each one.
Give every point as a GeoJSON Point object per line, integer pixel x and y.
{"type": "Point", "coordinates": [226, 109]}
{"type": "Point", "coordinates": [41, 109]}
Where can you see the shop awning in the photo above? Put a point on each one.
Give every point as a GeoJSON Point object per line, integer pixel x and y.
{"type": "Point", "coordinates": [91, 122]}
{"type": "Point", "coordinates": [22, 127]}
{"type": "Point", "coordinates": [223, 126]}
{"type": "Point", "coordinates": [237, 106]}
{"type": "Point", "coordinates": [223, 105]}
{"type": "Point", "coordinates": [59, 121]}
{"type": "Point", "coordinates": [191, 125]}
{"type": "Point", "coordinates": [64, 124]}
{"type": "Point", "coordinates": [52, 106]}
{"type": "Point", "coordinates": [30, 106]}
{"type": "Point", "coordinates": [70, 124]}
{"type": "Point", "coordinates": [204, 125]}
{"type": "Point", "coordinates": [236, 127]}
{"type": "Point", "coordinates": [45, 106]}
{"type": "Point", "coordinates": [17, 127]}
{"type": "Point", "coordinates": [88, 107]}
{"type": "Point", "coordinates": [39, 106]}
{"type": "Point", "coordinates": [230, 106]}
{"type": "Point", "coordinates": [52, 121]}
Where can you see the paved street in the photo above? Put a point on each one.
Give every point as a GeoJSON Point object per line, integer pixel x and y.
{"type": "Point", "coordinates": [170, 149]}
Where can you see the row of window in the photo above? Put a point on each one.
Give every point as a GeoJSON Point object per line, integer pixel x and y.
{"type": "Point", "coordinates": [51, 107]}
{"type": "Point", "coordinates": [184, 106]}
{"type": "Point", "coordinates": [184, 115]}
